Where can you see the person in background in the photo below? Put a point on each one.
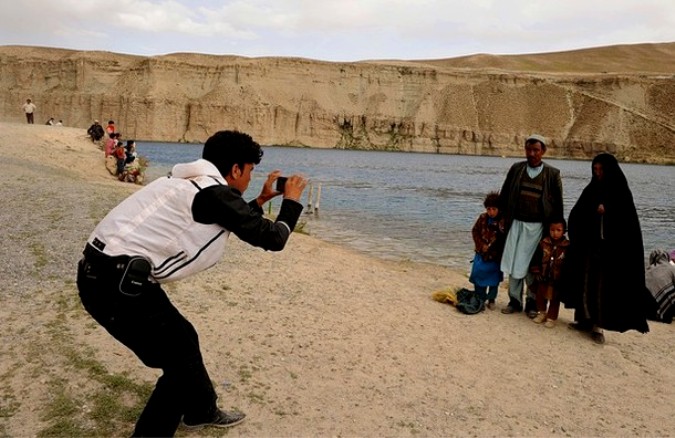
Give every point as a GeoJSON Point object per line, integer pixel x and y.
{"type": "Point", "coordinates": [29, 109]}
{"type": "Point", "coordinates": [130, 150]}
{"type": "Point", "coordinates": [110, 128]}
{"type": "Point", "coordinates": [50, 122]}
{"type": "Point", "coordinates": [95, 131]}
{"type": "Point", "coordinates": [111, 143]}
{"type": "Point", "coordinates": [531, 195]}
{"type": "Point", "coordinates": [59, 123]}
{"type": "Point", "coordinates": [546, 268]}
{"type": "Point", "coordinates": [121, 156]}
{"type": "Point", "coordinates": [604, 271]}
{"type": "Point", "coordinates": [171, 229]}
{"type": "Point", "coordinates": [488, 239]}
{"type": "Point", "coordinates": [660, 281]}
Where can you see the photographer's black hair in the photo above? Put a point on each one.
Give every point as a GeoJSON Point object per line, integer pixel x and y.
{"type": "Point", "coordinates": [227, 148]}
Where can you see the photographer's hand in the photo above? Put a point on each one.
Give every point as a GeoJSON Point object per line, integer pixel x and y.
{"type": "Point", "coordinates": [267, 192]}
{"type": "Point", "coordinates": [294, 187]}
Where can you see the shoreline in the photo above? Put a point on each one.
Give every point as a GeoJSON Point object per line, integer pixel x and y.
{"type": "Point", "coordinates": [317, 340]}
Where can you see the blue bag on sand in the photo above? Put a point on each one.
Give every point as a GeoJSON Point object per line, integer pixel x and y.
{"type": "Point", "coordinates": [468, 302]}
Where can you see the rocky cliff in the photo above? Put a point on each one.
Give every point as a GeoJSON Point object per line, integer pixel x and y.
{"type": "Point", "coordinates": [480, 105]}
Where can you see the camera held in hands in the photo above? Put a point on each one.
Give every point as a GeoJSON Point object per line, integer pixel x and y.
{"type": "Point", "coordinates": [281, 184]}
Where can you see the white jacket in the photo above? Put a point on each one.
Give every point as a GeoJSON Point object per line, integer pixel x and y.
{"type": "Point", "coordinates": [156, 223]}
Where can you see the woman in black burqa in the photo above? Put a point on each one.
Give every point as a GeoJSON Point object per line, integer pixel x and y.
{"type": "Point", "coordinates": [604, 270]}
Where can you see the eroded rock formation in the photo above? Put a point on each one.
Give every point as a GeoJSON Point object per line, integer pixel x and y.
{"type": "Point", "coordinates": [425, 106]}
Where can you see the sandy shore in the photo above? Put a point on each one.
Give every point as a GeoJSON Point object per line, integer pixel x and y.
{"type": "Point", "coordinates": [316, 340]}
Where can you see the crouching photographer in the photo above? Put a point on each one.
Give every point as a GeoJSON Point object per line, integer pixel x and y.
{"type": "Point", "coordinates": [171, 229]}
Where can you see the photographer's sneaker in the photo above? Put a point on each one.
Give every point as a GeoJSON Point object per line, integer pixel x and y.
{"type": "Point", "coordinates": [222, 419]}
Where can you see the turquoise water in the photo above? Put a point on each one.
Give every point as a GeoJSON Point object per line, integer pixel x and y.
{"type": "Point", "coordinates": [421, 207]}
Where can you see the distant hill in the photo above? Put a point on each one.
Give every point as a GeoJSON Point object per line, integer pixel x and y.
{"type": "Point", "coordinates": [635, 58]}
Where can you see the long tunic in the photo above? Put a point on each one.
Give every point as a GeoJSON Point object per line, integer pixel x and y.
{"type": "Point", "coordinates": [521, 243]}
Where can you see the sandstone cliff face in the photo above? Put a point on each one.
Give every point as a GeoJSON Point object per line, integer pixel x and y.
{"type": "Point", "coordinates": [403, 106]}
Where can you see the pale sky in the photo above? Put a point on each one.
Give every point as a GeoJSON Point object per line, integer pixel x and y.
{"type": "Point", "coordinates": [346, 30]}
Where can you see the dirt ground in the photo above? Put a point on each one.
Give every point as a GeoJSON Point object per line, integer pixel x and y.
{"type": "Point", "coordinates": [317, 340]}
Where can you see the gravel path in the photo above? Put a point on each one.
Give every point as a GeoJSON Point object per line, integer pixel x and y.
{"type": "Point", "coordinates": [47, 216]}
{"type": "Point", "coordinates": [53, 189]}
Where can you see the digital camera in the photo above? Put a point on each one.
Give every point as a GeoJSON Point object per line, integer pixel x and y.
{"type": "Point", "coordinates": [281, 184]}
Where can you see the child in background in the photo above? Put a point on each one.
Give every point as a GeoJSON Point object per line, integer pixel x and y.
{"type": "Point", "coordinates": [111, 144]}
{"type": "Point", "coordinates": [121, 155]}
{"type": "Point", "coordinates": [110, 129]}
{"type": "Point", "coordinates": [131, 151]}
{"type": "Point", "coordinates": [488, 237]}
{"type": "Point", "coordinates": [546, 267]}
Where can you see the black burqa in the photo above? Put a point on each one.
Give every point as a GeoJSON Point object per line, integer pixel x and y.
{"type": "Point", "coordinates": [604, 271]}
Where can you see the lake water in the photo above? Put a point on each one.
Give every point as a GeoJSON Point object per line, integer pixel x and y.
{"type": "Point", "coordinates": [421, 207]}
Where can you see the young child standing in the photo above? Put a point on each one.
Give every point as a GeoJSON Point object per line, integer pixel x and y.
{"type": "Point", "coordinates": [121, 155]}
{"type": "Point", "coordinates": [546, 267]}
{"type": "Point", "coordinates": [488, 237]}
